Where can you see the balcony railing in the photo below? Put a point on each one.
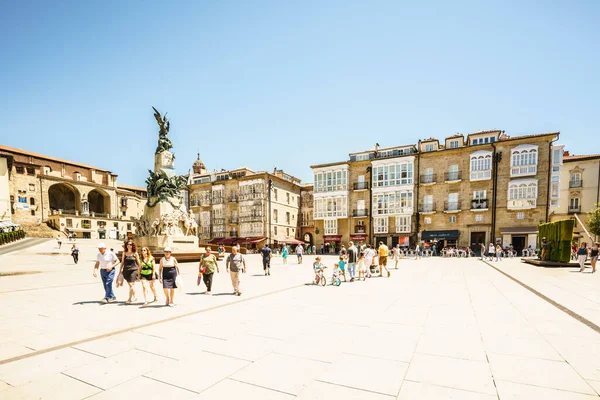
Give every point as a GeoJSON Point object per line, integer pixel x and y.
{"type": "Point", "coordinates": [253, 218]}
{"type": "Point", "coordinates": [218, 200]}
{"type": "Point", "coordinates": [332, 188]}
{"type": "Point", "coordinates": [359, 229]}
{"type": "Point", "coordinates": [451, 206]}
{"type": "Point", "coordinates": [232, 200]}
{"type": "Point", "coordinates": [218, 221]}
{"type": "Point", "coordinates": [360, 213]}
{"type": "Point", "coordinates": [205, 202]}
{"type": "Point", "coordinates": [429, 178]}
{"type": "Point", "coordinates": [360, 185]}
{"type": "Point", "coordinates": [453, 176]}
{"type": "Point", "coordinates": [426, 208]}
{"type": "Point", "coordinates": [479, 204]}
{"type": "Point", "coordinates": [481, 175]}
{"type": "Point", "coordinates": [523, 170]}
{"type": "Point", "coordinates": [575, 184]}
{"type": "Point", "coordinates": [234, 220]}
{"type": "Point", "coordinates": [575, 210]}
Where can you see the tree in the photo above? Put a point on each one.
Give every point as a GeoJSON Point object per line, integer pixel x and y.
{"type": "Point", "coordinates": [594, 220]}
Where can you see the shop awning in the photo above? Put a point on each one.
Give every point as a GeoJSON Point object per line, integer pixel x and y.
{"type": "Point", "coordinates": [250, 240]}
{"type": "Point", "coordinates": [290, 240]}
{"type": "Point", "coordinates": [519, 230]}
{"type": "Point", "coordinates": [440, 235]}
{"type": "Point", "coordinates": [358, 237]}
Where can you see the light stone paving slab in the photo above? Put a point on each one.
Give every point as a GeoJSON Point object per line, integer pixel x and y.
{"type": "Point", "coordinates": [282, 373]}
{"type": "Point", "coordinates": [519, 391]}
{"type": "Point", "coordinates": [531, 348]}
{"type": "Point", "coordinates": [371, 374]}
{"type": "Point", "coordinates": [317, 390]}
{"type": "Point", "coordinates": [146, 389]}
{"type": "Point", "coordinates": [533, 371]}
{"type": "Point", "coordinates": [421, 391]}
{"type": "Point", "coordinates": [595, 385]}
{"type": "Point", "coordinates": [245, 347]}
{"type": "Point", "coordinates": [454, 373]}
{"type": "Point", "coordinates": [10, 350]}
{"type": "Point", "coordinates": [198, 374]}
{"type": "Point", "coordinates": [468, 347]}
{"type": "Point", "coordinates": [112, 345]}
{"type": "Point", "coordinates": [30, 369]}
{"type": "Point", "coordinates": [231, 389]}
{"type": "Point", "coordinates": [113, 371]}
{"type": "Point", "coordinates": [56, 386]}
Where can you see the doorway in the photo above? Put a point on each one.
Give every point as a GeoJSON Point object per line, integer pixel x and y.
{"type": "Point", "coordinates": [518, 243]}
{"type": "Point", "coordinates": [477, 238]}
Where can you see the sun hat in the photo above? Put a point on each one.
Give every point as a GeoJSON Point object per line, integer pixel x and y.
{"type": "Point", "coordinates": [101, 246]}
{"type": "Point", "coordinates": [167, 249]}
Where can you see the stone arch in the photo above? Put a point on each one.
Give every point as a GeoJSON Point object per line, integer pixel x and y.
{"type": "Point", "coordinates": [65, 197]}
{"type": "Point", "coordinates": [308, 237]}
{"type": "Point", "coordinates": [99, 201]}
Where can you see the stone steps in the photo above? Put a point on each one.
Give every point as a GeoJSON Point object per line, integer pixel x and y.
{"type": "Point", "coordinates": [41, 230]}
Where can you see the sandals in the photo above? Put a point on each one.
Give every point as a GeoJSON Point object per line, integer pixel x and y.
{"type": "Point", "coordinates": [145, 304]}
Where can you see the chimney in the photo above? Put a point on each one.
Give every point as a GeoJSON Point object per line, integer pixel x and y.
{"type": "Point", "coordinates": [566, 153]}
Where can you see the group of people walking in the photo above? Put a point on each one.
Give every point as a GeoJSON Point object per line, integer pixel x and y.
{"type": "Point", "coordinates": [583, 252]}
{"type": "Point", "coordinates": [141, 267]}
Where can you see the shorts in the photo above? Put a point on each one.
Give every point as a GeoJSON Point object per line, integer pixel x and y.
{"type": "Point", "coordinates": [595, 258]}
{"type": "Point", "coordinates": [383, 260]}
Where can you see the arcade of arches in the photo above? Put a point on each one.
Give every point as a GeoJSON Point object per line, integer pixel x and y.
{"type": "Point", "coordinates": [64, 197]}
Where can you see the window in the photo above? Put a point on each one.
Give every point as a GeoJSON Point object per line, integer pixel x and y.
{"type": "Point", "coordinates": [380, 224]}
{"type": "Point", "coordinates": [522, 193]}
{"type": "Point", "coordinates": [69, 222]}
{"type": "Point", "coordinates": [31, 187]}
{"type": "Point", "coordinates": [128, 226]}
{"type": "Point", "coordinates": [392, 175]}
{"type": "Point", "coordinates": [479, 195]}
{"type": "Point", "coordinates": [557, 156]}
{"type": "Point", "coordinates": [481, 165]}
{"type": "Point", "coordinates": [555, 187]}
{"type": "Point", "coordinates": [403, 224]}
{"type": "Point", "coordinates": [30, 171]}
{"type": "Point", "coordinates": [453, 173]}
{"type": "Point", "coordinates": [428, 203]}
{"type": "Point", "coordinates": [331, 207]}
{"type": "Point", "coordinates": [287, 218]}
{"type": "Point", "coordinates": [275, 194]}
{"type": "Point", "coordinates": [427, 220]}
{"type": "Point", "coordinates": [524, 160]}
{"type": "Point", "coordinates": [575, 180]}
{"type": "Point", "coordinates": [454, 144]}
{"type": "Point", "coordinates": [275, 230]}
{"type": "Point", "coordinates": [393, 203]}
{"type": "Point", "coordinates": [20, 169]}
{"type": "Point", "coordinates": [287, 231]}
{"type": "Point", "coordinates": [520, 215]}
{"type": "Point", "coordinates": [124, 213]}
{"type": "Point", "coordinates": [86, 224]}
{"type": "Point", "coordinates": [331, 181]}
{"type": "Point", "coordinates": [429, 147]}
{"type": "Point", "coordinates": [479, 218]}
{"type": "Point", "coordinates": [287, 198]}
{"type": "Point", "coordinates": [32, 201]}
{"type": "Point", "coordinates": [452, 219]}
{"type": "Point", "coordinates": [331, 227]}
{"type": "Point", "coordinates": [574, 204]}
{"type": "Point", "coordinates": [452, 202]}
{"type": "Point", "coordinates": [428, 175]}
{"type": "Point", "coordinates": [275, 216]}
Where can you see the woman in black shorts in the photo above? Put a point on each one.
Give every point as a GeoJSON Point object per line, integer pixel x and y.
{"type": "Point", "coordinates": [130, 267]}
{"type": "Point", "coordinates": [594, 256]}
{"type": "Point", "coordinates": [147, 274]}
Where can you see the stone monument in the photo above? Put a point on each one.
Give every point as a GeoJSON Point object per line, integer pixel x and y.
{"type": "Point", "coordinates": [166, 222]}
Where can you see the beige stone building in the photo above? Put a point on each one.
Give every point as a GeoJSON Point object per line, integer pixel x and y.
{"type": "Point", "coordinates": [246, 207]}
{"type": "Point", "coordinates": [489, 187]}
{"type": "Point", "coordinates": [579, 191]}
{"type": "Point", "coordinates": [307, 222]}
{"type": "Point", "coordinates": [5, 205]}
{"type": "Point", "coordinates": [71, 197]}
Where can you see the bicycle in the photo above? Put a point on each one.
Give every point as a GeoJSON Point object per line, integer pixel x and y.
{"type": "Point", "coordinates": [320, 279]}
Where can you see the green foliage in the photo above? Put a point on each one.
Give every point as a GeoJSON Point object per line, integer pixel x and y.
{"type": "Point", "coordinates": [594, 220]}
{"type": "Point", "coordinates": [7, 237]}
{"type": "Point", "coordinates": [559, 235]}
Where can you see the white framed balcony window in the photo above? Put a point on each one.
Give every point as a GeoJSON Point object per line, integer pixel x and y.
{"type": "Point", "coordinates": [481, 165]}
{"type": "Point", "coordinates": [331, 226]}
{"type": "Point", "coordinates": [524, 160]}
{"type": "Point", "coordinates": [522, 194]}
{"type": "Point", "coordinates": [380, 224]}
{"type": "Point", "coordinates": [400, 202]}
{"type": "Point", "coordinates": [403, 224]}
{"type": "Point", "coordinates": [331, 181]}
{"type": "Point", "coordinates": [393, 175]}
{"type": "Point", "coordinates": [427, 204]}
{"type": "Point", "coordinates": [331, 207]}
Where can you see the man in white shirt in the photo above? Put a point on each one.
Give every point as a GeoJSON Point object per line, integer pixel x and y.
{"type": "Point", "coordinates": [107, 262]}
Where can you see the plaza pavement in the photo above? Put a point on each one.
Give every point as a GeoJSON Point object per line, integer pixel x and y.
{"type": "Point", "coordinates": [437, 329]}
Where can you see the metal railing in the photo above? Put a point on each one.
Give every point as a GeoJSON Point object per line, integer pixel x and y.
{"type": "Point", "coordinates": [360, 213]}
{"type": "Point", "coordinates": [425, 208]}
{"type": "Point", "coordinates": [451, 206]}
{"type": "Point", "coordinates": [479, 204]}
{"type": "Point", "coordinates": [575, 184]}
{"type": "Point", "coordinates": [234, 220]}
{"type": "Point", "coordinates": [453, 176]}
{"type": "Point", "coordinates": [360, 185]}
{"type": "Point", "coordinates": [429, 178]}
{"type": "Point", "coordinates": [575, 210]}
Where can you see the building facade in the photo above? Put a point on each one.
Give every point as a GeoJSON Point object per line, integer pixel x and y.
{"type": "Point", "coordinates": [246, 207]}
{"type": "Point", "coordinates": [71, 197]}
{"type": "Point", "coordinates": [579, 192]}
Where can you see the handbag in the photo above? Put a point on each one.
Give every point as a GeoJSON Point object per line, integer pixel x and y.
{"type": "Point", "coordinates": [179, 283]}
{"type": "Point", "coordinates": [120, 280]}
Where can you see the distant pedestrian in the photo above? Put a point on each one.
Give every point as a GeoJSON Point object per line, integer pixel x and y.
{"type": "Point", "coordinates": [582, 256]}
{"type": "Point", "coordinates": [352, 258]}
{"type": "Point", "coordinates": [168, 272]}
{"type": "Point", "coordinates": [284, 254]}
{"type": "Point", "coordinates": [499, 252]}
{"type": "Point", "coordinates": [299, 253]}
{"type": "Point", "coordinates": [208, 265]}
{"type": "Point", "coordinates": [369, 255]}
{"type": "Point", "coordinates": [482, 251]}
{"type": "Point", "coordinates": [491, 251]}
{"type": "Point", "coordinates": [362, 270]}
{"type": "Point", "coordinates": [235, 265]}
{"type": "Point", "coordinates": [59, 241]}
{"type": "Point", "coordinates": [322, 249]}
{"type": "Point", "coordinates": [314, 249]}
{"type": "Point", "coordinates": [130, 268]}
{"type": "Point", "coordinates": [383, 256]}
{"type": "Point", "coordinates": [266, 259]}
{"type": "Point", "coordinates": [75, 253]}
{"type": "Point", "coordinates": [434, 250]}
{"type": "Point", "coordinates": [147, 274]}
{"type": "Point", "coordinates": [106, 261]}
{"type": "Point", "coordinates": [594, 256]}
{"type": "Point", "coordinates": [544, 249]}
{"type": "Point", "coordinates": [417, 251]}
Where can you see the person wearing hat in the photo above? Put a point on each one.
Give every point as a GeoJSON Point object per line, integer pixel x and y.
{"type": "Point", "coordinates": [168, 271]}
{"type": "Point", "coordinates": [106, 261]}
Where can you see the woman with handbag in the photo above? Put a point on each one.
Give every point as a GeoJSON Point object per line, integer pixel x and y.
{"type": "Point", "coordinates": [130, 267]}
{"type": "Point", "coordinates": [147, 274]}
{"type": "Point", "coordinates": [169, 269]}
{"type": "Point", "coordinates": [208, 264]}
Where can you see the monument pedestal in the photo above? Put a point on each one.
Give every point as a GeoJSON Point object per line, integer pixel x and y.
{"type": "Point", "coordinates": [178, 244]}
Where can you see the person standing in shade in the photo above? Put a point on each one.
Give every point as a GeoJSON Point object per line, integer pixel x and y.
{"type": "Point", "coordinates": [352, 258]}
{"type": "Point", "coordinates": [147, 274]}
{"type": "Point", "coordinates": [75, 253]}
{"type": "Point", "coordinates": [168, 271]}
{"type": "Point", "coordinates": [582, 256]}
{"type": "Point", "coordinates": [383, 256]}
{"type": "Point", "coordinates": [544, 249]}
{"type": "Point", "coordinates": [235, 265]}
{"type": "Point", "coordinates": [482, 251]}
{"type": "Point", "coordinates": [266, 259]}
{"type": "Point", "coordinates": [106, 261]}
{"type": "Point", "coordinates": [59, 241]}
{"type": "Point", "coordinates": [299, 253]}
{"type": "Point", "coordinates": [417, 251]}
{"type": "Point", "coordinates": [284, 254]}
{"type": "Point", "coordinates": [208, 264]}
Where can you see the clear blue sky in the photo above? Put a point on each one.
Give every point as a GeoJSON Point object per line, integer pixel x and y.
{"type": "Point", "coordinates": [290, 84]}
